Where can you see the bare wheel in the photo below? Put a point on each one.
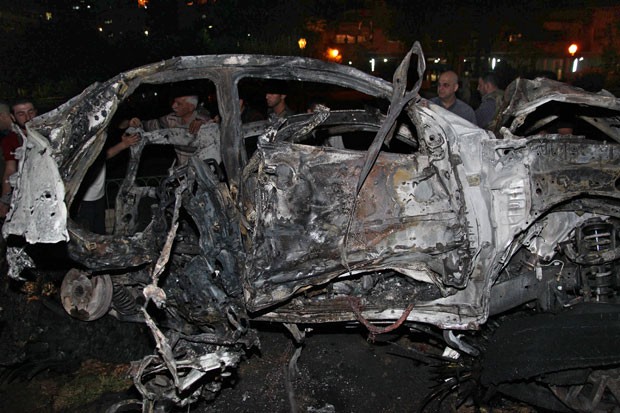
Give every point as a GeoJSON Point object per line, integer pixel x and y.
{"type": "Point", "coordinates": [86, 298]}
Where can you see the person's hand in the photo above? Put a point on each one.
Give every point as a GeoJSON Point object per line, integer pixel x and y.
{"type": "Point", "coordinates": [196, 124]}
{"type": "Point", "coordinates": [135, 122]}
{"type": "Point", "coordinates": [129, 140]}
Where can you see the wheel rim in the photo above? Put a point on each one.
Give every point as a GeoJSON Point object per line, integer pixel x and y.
{"type": "Point", "coordinates": [86, 298]}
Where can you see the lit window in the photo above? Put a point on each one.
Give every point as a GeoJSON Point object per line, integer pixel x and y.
{"type": "Point", "coordinates": [514, 37]}
{"type": "Point", "coordinates": [48, 15]}
{"type": "Point", "coordinates": [345, 39]}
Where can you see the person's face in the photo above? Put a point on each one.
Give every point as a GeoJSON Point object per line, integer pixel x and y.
{"type": "Point", "coordinates": [447, 86]}
{"type": "Point", "coordinates": [482, 87]}
{"type": "Point", "coordinates": [23, 112]}
{"type": "Point", "coordinates": [181, 107]}
{"type": "Point", "coordinates": [5, 121]}
{"type": "Point", "coordinates": [273, 99]}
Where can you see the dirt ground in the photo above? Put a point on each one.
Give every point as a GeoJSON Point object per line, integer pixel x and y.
{"type": "Point", "coordinates": [50, 363]}
{"type": "Point", "coordinates": [338, 372]}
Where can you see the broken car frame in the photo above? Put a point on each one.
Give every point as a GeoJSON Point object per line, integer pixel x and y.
{"type": "Point", "coordinates": [459, 227]}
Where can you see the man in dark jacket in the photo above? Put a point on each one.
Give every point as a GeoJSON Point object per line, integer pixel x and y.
{"type": "Point", "coordinates": [491, 103]}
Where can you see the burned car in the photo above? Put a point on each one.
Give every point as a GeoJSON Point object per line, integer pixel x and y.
{"type": "Point", "coordinates": [404, 217]}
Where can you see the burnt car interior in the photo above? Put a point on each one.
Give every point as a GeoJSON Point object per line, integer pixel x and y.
{"type": "Point", "coordinates": [375, 208]}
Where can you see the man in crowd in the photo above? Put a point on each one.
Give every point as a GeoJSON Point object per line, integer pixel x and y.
{"type": "Point", "coordinates": [491, 103]}
{"type": "Point", "coordinates": [184, 115]}
{"type": "Point", "coordinates": [6, 122]}
{"type": "Point", "coordinates": [89, 208]}
{"type": "Point", "coordinates": [248, 113]}
{"type": "Point", "coordinates": [6, 128]}
{"type": "Point", "coordinates": [446, 97]}
{"type": "Point", "coordinates": [276, 99]}
{"type": "Point", "coordinates": [22, 111]}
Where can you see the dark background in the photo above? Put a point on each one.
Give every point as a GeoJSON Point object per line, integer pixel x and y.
{"type": "Point", "coordinates": [51, 50]}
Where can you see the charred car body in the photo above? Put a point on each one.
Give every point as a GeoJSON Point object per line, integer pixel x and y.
{"type": "Point", "coordinates": [453, 227]}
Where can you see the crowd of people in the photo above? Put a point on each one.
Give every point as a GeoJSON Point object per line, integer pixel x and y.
{"type": "Point", "coordinates": [187, 113]}
{"type": "Point", "coordinates": [89, 209]}
{"type": "Point", "coordinates": [491, 99]}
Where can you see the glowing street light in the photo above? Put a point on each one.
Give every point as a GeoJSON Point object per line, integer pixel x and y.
{"type": "Point", "coordinates": [334, 55]}
{"type": "Point", "coordinates": [302, 43]}
{"type": "Point", "coordinates": [572, 49]}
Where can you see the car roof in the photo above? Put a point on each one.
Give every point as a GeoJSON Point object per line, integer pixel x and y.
{"type": "Point", "coordinates": [75, 128]}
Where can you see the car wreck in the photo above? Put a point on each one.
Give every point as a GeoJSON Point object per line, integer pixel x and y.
{"type": "Point", "coordinates": [415, 218]}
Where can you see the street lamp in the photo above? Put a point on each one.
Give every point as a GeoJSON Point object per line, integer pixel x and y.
{"type": "Point", "coordinates": [572, 49]}
{"type": "Point", "coordinates": [334, 55]}
{"type": "Point", "coordinates": [302, 43]}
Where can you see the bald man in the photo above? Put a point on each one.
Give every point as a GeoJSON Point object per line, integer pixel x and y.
{"type": "Point", "coordinates": [446, 97]}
